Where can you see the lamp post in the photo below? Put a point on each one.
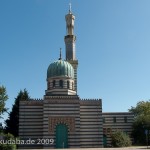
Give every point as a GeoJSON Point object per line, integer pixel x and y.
{"type": "Point", "coordinates": [147, 133]}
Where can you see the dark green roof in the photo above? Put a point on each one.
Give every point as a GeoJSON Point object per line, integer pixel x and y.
{"type": "Point", "coordinates": [60, 68]}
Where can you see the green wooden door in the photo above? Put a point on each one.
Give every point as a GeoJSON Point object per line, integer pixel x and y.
{"type": "Point", "coordinates": [104, 140]}
{"type": "Point", "coordinates": [61, 136]}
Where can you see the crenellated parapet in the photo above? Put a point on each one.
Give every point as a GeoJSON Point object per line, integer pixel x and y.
{"type": "Point", "coordinates": [91, 101]}
{"type": "Point", "coordinates": [32, 99]}
{"type": "Point", "coordinates": [71, 97]}
{"type": "Point", "coordinates": [31, 102]}
{"type": "Point", "coordinates": [36, 99]}
{"type": "Point", "coordinates": [61, 99]}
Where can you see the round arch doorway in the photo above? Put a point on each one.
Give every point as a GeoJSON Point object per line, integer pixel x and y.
{"type": "Point", "coordinates": [61, 136]}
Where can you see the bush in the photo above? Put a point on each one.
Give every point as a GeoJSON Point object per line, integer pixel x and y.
{"type": "Point", "coordinates": [120, 139]}
{"type": "Point", "coordinates": [5, 138]}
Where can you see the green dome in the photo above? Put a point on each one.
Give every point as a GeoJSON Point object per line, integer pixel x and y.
{"type": "Point", "coordinates": [60, 68]}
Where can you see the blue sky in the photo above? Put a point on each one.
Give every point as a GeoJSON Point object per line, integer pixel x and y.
{"type": "Point", "coordinates": [113, 48]}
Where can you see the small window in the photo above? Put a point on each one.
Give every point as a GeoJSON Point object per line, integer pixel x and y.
{"type": "Point", "coordinates": [125, 119]}
{"type": "Point", "coordinates": [61, 83]}
{"type": "Point", "coordinates": [109, 130]}
{"type": "Point", "coordinates": [68, 84]}
{"type": "Point", "coordinates": [104, 131]}
{"type": "Point", "coordinates": [54, 83]}
{"type": "Point", "coordinates": [114, 119]}
{"type": "Point", "coordinates": [104, 120]}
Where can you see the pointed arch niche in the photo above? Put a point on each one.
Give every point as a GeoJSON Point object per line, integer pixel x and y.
{"type": "Point", "coordinates": [54, 121]}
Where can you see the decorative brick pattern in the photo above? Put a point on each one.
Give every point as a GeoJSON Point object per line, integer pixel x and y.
{"type": "Point", "coordinates": [69, 121]}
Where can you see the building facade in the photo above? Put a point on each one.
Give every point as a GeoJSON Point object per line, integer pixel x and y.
{"type": "Point", "coordinates": [61, 119]}
{"type": "Point", "coordinates": [115, 121]}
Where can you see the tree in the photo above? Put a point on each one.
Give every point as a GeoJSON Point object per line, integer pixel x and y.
{"type": "Point", "coordinates": [120, 139]}
{"type": "Point", "coordinates": [12, 123]}
{"type": "Point", "coordinates": [141, 121]}
{"type": "Point", "coordinates": [6, 145]}
{"type": "Point", "coordinates": [3, 98]}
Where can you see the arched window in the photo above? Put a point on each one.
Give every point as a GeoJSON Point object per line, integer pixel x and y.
{"type": "Point", "coordinates": [54, 83]}
{"type": "Point", "coordinates": [61, 83]}
{"type": "Point", "coordinates": [49, 85]}
{"type": "Point", "coordinates": [68, 84]}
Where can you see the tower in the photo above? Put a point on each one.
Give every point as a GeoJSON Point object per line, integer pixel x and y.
{"type": "Point", "coordinates": [61, 116]}
{"type": "Point", "coordinates": [70, 40]}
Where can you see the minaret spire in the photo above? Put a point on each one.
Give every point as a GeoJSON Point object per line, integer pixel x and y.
{"type": "Point", "coordinates": [70, 40]}
{"type": "Point", "coordinates": [70, 8]}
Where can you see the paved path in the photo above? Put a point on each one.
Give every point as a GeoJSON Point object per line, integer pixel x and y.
{"type": "Point", "coordinates": [125, 148]}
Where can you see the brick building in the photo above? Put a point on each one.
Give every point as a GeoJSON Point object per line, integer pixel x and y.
{"type": "Point", "coordinates": [61, 115]}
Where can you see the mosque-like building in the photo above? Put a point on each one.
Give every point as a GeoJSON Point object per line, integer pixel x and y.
{"type": "Point", "coordinates": [61, 119]}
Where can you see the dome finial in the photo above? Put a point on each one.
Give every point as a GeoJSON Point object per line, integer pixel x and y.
{"type": "Point", "coordinates": [60, 55]}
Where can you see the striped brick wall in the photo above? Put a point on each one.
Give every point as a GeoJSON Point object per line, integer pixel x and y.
{"type": "Point", "coordinates": [30, 121]}
{"type": "Point", "coordinates": [113, 121]}
{"type": "Point", "coordinates": [91, 129]}
{"type": "Point", "coordinates": [61, 106]}
{"type": "Point", "coordinates": [90, 124]}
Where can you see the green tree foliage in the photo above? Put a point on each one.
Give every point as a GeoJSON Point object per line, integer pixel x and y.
{"type": "Point", "coordinates": [141, 121]}
{"type": "Point", "coordinates": [12, 123]}
{"type": "Point", "coordinates": [3, 98]}
{"type": "Point", "coordinates": [120, 139]}
{"type": "Point", "coordinates": [7, 142]}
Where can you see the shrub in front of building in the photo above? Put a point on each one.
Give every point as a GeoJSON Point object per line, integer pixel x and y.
{"type": "Point", "coordinates": [120, 139]}
{"type": "Point", "coordinates": [7, 142]}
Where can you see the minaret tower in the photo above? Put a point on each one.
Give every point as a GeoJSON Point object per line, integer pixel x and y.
{"type": "Point", "coordinates": [70, 39]}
